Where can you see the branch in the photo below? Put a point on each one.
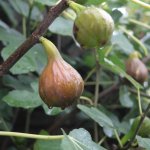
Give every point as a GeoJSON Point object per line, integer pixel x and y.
{"type": "Point", "coordinates": [52, 14]}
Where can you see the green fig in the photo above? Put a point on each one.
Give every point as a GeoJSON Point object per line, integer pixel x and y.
{"type": "Point", "coordinates": [136, 68]}
{"type": "Point", "coordinates": [93, 27]}
{"type": "Point", "coordinates": [60, 84]}
{"type": "Point", "coordinates": [144, 130]}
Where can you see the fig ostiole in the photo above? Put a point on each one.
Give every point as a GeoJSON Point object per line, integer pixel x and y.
{"type": "Point", "coordinates": [93, 26]}
{"type": "Point", "coordinates": [60, 85]}
{"type": "Point", "coordinates": [136, 68]}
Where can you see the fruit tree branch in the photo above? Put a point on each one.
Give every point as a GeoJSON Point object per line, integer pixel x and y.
{"type": "Point", "coordinates": [52, 14]}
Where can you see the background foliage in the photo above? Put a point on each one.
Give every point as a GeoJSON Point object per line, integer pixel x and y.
{"type": "Point", "coordinates": [21, 108]}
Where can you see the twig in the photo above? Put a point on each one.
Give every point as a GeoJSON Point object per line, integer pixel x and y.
{"type": "Point", "coordinates": [145, 5]}
{"type": "Point", "coordinates": [141, 93]}
{"type": "Point", "coordinates": [140, 23]}
{"type": "Point", "coordinates": [31, 136]}
{"type": "Point", "coordinates": [33, 39]}
{"type": "Point", "coordinates": [118, 138]}
{"type": "Point", "coordinates": [114, 87]}
{"type": "Point", "coordinates": [139, 101]}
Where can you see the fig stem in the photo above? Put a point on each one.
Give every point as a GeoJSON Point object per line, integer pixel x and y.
{"type": "Point", "coordinates": [139, 101]}
{"type": "Point", "coordinates": [135, 39]}
{"type": "Point", "coordinates": [50, 48]}
{"type": "Point", "coordinates": [90, 74]}
{"type": "Point", "coordinates": [118, 138]}
{"type": "Point", "coordinates": [102, 140]}
{"type": "Point", "coordinates": [68, 15]}
{"type": "Point", "coordinates": [87, 99]}
{"type": "Point", "coordinates": [140, 23]}
{"type": "Point", "coordinates": [31, 136]}
{"type": "Point", "coordinates": [75, 6]}
{"type": "Point", "coordinates": [24, 30]}
{"type": "Point", "coordinates": [108, 50]}
{"type": "Point", "coordinates": [96, 89]}
{"type": "Point", "coordinates": [145, 5]}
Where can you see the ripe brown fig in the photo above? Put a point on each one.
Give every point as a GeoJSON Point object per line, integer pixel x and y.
{"type": "Point", "coordinates": [136, 68]}
{"type": "Point", "coordinates": [59, 84]}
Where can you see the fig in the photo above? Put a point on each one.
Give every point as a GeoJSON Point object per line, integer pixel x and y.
{"type": "Point", "coordinates": [60, 84]}
{"type": "Point", "coordinates": [136, 68]}
{"type": "Point", "coordinates": [93, 27]}
{"type": "Point", "coordinates": [144, 130]}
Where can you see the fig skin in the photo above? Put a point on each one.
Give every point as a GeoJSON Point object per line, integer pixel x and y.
{"type": "Point", "coordinates": [144, 130]}
{"type": "Point", "coordinates": [136, 69]}
{"type": "Point", "coordinates": [60, 84]}
{"type": "Point", "coordinates": [93, 27]}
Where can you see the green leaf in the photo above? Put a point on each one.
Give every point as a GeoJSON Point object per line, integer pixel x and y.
{"type": "Point", "coordinates": [26, 64]}
{"type": "Point", "coordinates": [47, 144]}
{"type": "Point", "coordinates": [9, 12]}
{"type": "Point", "coordinates": [62, 26]}
{"type": "Point", "coordinates": [53, 111]}
{"type": "Point", "coordinates": [47, 2]}
{"type": "Point", "coordinates": [143, 142]}
{"type": "Point", "coordinates": [21, 7]}
{"type": "Point", "coordinates": [98, 116]}
{"type": "Point", "coordinates": [124, 97]}
{"type": "Point", "coordinates": [10, 36]}
{"type": "Point", "coordinates": [13, 82]}
{"type": "Point", "coordinates": [116, 14]}
{"type": "Point", "coordinates": [24, 98]}
{"type": "Point", "coordinates": [3, 25]}
{"type": "Point", "coordinates": [94, 2]}
{"type": "Point", "coordinates": [121, 40]}
{"type": "Point", "coordinates": [79, 139]}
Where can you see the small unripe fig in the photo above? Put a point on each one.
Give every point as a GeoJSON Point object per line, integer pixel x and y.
{"type": "Point", "coordinates": [136, 68]}
{"type": "Point", "coordinates": [144, 130]}
{"type": "Point", "coordinates": [59, 84]}
{"type": "Point", "coordinates": [93, 27]}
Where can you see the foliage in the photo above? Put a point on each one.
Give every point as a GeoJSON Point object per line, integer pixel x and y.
{"type": "Point", "coordinates": [113, 108]}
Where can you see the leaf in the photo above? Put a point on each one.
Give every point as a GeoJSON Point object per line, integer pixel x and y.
{"type": "Point", "coordinates": [9, 12]}
{"type": "Point", "coordinates": [119, 39]}
{"type": "Point", "coordinates": [62, 26]}
{"type": "Point", "coordinates": [26, 64]}
{"type": "Point", "coordinates": [47, 144]}
{"type": "Point", "coordinates": [94, 2]}
{"type": "Point", "coordinates": [21, 7]}
{"type": "Point", "coordinates": [124, 97]}
{"type": "Point", "coordinates": [53, 111]}
{"type": "Point", "coordinates": [3, 25]}
{"type": "Point", "coordinates": [47, 2]}
{"type": "Point", "coordinates": [11, 81]}
{"type": "Point", "coordinates": [10, 36]}
{"type": "Point", "coordinates": [143, 142]}
{"type": "Point", "coordinates": [23, 98]}
{"type": "Point", "coordinates": [79, 139]}
{"type": "Point", "coordinates": [116, 14]}
{"type": "Point", "coordinates": [98, 116]}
